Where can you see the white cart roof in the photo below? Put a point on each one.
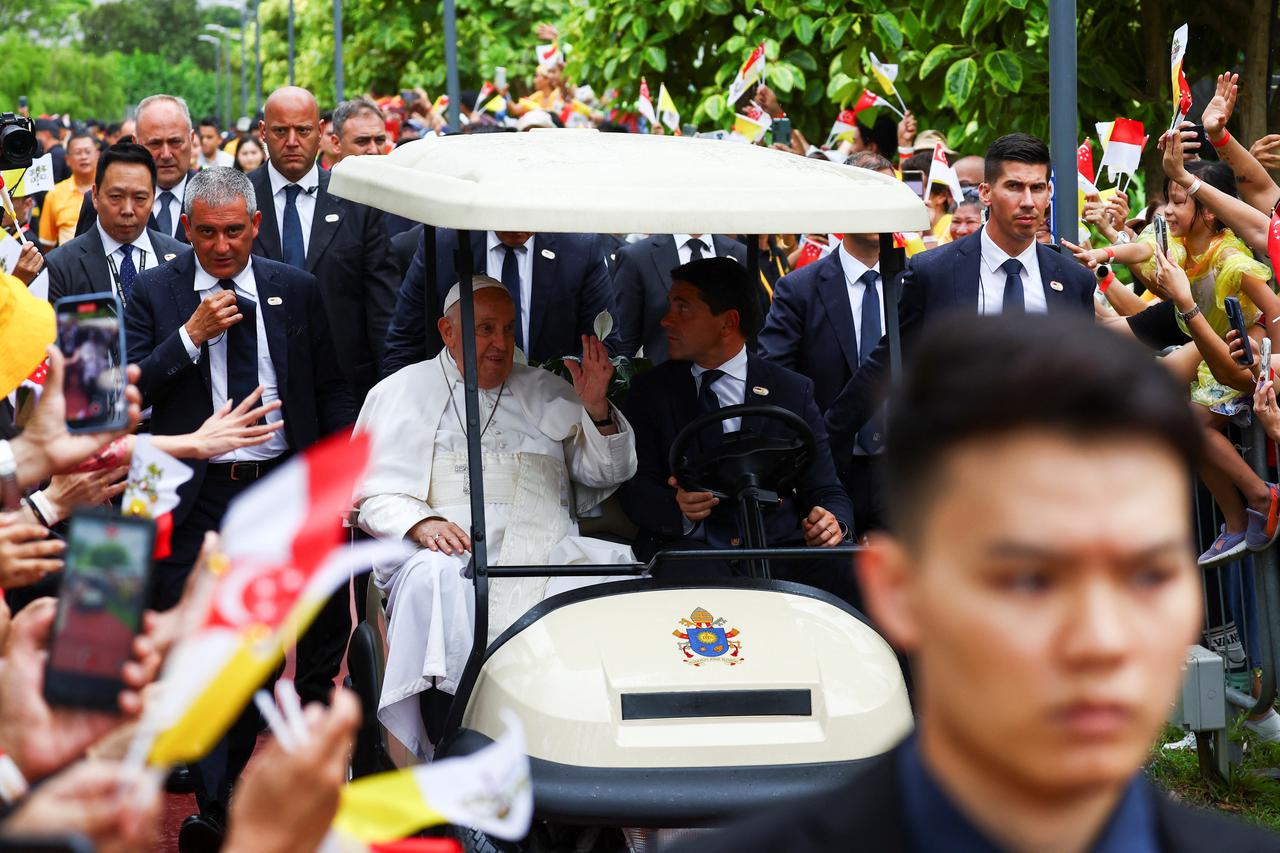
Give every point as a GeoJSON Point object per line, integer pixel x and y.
{"type": "Point", "coordinates": [583, 180]}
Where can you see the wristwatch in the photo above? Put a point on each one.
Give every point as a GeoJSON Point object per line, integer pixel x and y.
{"type": "Point", "coordinates": [1187, 316]}
{"type": "Point", "coordinates": [10, 491]}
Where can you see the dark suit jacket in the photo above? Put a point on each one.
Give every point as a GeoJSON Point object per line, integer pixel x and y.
{"type": "Point", "coordinates": [663, 400]}
{"type": "Point", "coordinates": [348, 252]}
{"type": "Point", "coordinates": [403, 247]}
{"type": "Point", "coordinates": [811, 329]}
{"type": "Point", "coordinates": [570, 287]}
{"type": "Point", "coordinates": [936, 283]}
{"type": "Point", "coordinates": [88, 216]}
{"type": "Point", "coordinates": [642, 279]}
{"type": "Point", "coordinates": [79, 267]}
{"type": "Point", "coordinates": [866, 813]}
{"type": "Point", "coordinates": [316, 399]}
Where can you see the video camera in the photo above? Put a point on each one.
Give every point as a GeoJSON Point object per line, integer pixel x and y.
{"type": "Point", "coordinates": [18, 145]}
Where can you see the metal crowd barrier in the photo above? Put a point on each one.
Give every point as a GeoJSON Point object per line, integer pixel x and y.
{"type": "Point", "coordinates": [1241, 623]}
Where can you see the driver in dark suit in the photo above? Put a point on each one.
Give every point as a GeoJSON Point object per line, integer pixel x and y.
{"type": "Point", "coordinates": [712, 313]}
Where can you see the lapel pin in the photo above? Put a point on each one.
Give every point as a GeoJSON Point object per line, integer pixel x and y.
{"type": "Point", "coordinates": [548, 254]}
{"type": "Point", "coordinates": [332, 217]}
{"type": "Point", "coordinates": [1055, 285]}
{"type": "Point", "coordinates": [169, 256]}
{"type": "Point", "coordinates": [760, 391]}
{"type": "Point", "coordinates": [274, 300]}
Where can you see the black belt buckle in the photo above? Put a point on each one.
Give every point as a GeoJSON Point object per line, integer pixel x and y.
{"type": "Point", "coordinates": [252, 470]}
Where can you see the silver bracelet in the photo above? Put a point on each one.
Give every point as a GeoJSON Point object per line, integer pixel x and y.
{"type": "Point", "coordinates": [10, 491]}
{"type": "Point", "coordinates": [1122, 238]}
{"type": "Point", "coordinates": [1194, 188]}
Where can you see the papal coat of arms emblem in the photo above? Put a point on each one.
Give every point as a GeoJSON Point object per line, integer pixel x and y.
{"type": "Point", "coordinates": [704, 638]}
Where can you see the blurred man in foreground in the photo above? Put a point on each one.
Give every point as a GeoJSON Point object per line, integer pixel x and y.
{"type": "Point", "coordinates": [1040, 576]}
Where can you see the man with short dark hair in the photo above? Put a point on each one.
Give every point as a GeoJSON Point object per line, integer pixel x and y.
{"type": "Point", "coordinates": [1041, 577]}
{"type": "Point", "coordinates": [642, 279]}
{"type": "Point", "coordinates": [358, 127]}
{"type": "Point", "coordinates": [211, 153]}
{"type": "Point", "coordinates": [61, 205]}
{"type": "Point", "coordinates": [48, 134]}
{"type": "Point", "coordinates": [712, 314]}
{"type": "Point", "coordinates": [1000, 269]}
{"type": "Point", "coordinates": [109, 257]}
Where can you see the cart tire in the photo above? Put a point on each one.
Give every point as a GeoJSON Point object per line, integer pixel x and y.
{"type": "Point", "coordinates": [475, 841]}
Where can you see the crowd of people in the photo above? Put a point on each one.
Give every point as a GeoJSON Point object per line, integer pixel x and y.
{"type": "Point", "coordinates": [262, 313]}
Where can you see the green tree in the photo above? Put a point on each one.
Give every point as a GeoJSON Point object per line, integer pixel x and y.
{"type": "Point", "coordinates": [55, 79]}
{"type": "Point", "coordinates": [142, 74]}
{"type": "Point", "coordinates": [167, 28]}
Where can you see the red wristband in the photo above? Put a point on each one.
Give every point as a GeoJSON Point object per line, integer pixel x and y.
{"type": "Point", "coordinates": [1106, 282]}
{"type": "Point", "coordinates": [1226, 137]}
{"type": "Point", "coordinates": [1111, 253]}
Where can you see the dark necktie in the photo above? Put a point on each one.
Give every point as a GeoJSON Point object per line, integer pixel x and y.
{"type": "Point", "coordinates": [164, 219]}
{"type": "Point", "coordinates": [870, 330]}
{"type": "Point", "coordinates": [295, 252]}
{"type": "Point", "coordinates": [709, 402]}
{"type": "Point", "coordinates": [511, 280]}
{"type": "Point", "coordinates": [695, 249]}
{"type": "Point", "coordinates": [242, 348]}
{"type": "Point", "coordinates": [128, 272]}
{"type": "Point", "coordinates": [1014, 302]}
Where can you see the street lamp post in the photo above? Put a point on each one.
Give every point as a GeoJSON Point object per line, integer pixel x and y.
{"type": "Point", "coordinates": [257, 58]}
{"type": "Point", "coordinates": [217, 77]}
{"type": "Point", "coordinates": [290, 42]}
{"type": "Point", "coordinates": [226, 33]}
{"type": "Point", "coordinates": [338, 82]}
{"type": "Point", "coordinates": [244, 74]}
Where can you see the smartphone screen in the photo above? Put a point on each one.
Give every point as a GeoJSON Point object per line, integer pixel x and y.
{"type": "Point", "coordinates": [91, 337]}
{"type": "Point", "coordinates": [915, 180]}
{"type": "Point", "coordinates": [104, 589]}
{"type": "Point", "coordinates": [1162, 233]}
{"type": "Point", "coordinates": [782, 131]}
{"type": "Point", "coordinates": [499, 77]}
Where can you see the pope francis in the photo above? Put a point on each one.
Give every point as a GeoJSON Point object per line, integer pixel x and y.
{"type": "Point", "coordinates": [550, 452]}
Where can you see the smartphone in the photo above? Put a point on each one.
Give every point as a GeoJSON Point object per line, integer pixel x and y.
{"type": "Point", "coordinates": [1162, 233]}
{"type": "Point", "coordinates": [915, 180]}
{"type": "Point", "coordinates": [689, 129]}
{"type": "Point", "coordinates": [782, 130]}
{"type": "Point", "coordinates": [105, 581]}
{"type": "Point", "coordinates": [499, 77]}
{"type": "Point", "coordinates": [1264, 360]}
{"type": "Point", "coordinates": [408, 96]}
{"type": "Point", "coordinates": [1236, 316]}
{"type": "Point", "coordinates": [22, 101]}
{"type": "Point", "coordinates": [91, 337]}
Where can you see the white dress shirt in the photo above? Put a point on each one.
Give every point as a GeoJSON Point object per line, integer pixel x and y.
{"type": "Point", "coordinates": [220, 158]}
{"type": "Point", "coordinates": [246, 285]}
{"type": "Point", "coordinates": [524, 263]}
{"type": "Point", "coordinates": [853, 272]}
{"type": "Point", "coordinates": [730, 389]}
{"type": "Point", "coordinates": [144, 257]}
{"type": "Point", "coordinates": [992, 278]}
{"type": "Point", "coordinates": [306, 202]}
{"type": "Point", "coordinates": [686, 253]}
{"type": "Point", "coordinates": [175, 206]}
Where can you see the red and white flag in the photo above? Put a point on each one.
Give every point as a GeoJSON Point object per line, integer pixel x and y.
{"type": "Point", "coordinates": [751, 71]}
{"type": "Point", "coordinates": [1181, 91]}
{"type": "Point", "coordinates": [1123, 152]}
{"type": "Point", "coordinates": [481, 99]}
{"type": "Point", "coordinates": [844, 127]}
{"type": "Point", "coordinates": [549, 54]}
{"type": "Point", "coordinates": [644, 104]}
{"type": "Point", "coordinates": [942, 172]}
{"type": "Point", "coordinates": [809, 252]}
{"type": "Point", "coordinates": [284, 554]}
{"type": "Point", "coordinates": [1084, 161]}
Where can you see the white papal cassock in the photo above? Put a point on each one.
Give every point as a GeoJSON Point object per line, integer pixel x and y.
{"type": "Point", "coordinates": [539, 439]}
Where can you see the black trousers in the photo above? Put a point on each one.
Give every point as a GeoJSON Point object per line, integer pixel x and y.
{"type": "Point", "coordinates": [864, 480]}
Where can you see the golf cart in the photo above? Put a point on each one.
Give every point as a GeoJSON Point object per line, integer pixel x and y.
{"type": "Point", "coordinates": [656, 706]}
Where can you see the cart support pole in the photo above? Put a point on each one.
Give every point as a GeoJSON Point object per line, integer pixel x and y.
{"type": "Point", "coordinates": [452, 87]}
{"type": "Point", "coordinates": [892, 262]}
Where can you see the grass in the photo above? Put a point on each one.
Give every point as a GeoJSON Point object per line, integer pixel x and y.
{"type": "Point", "coordinates": [1246, 794]}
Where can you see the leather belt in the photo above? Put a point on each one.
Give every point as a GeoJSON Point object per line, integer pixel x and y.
{"type": "Point", "coordinates": [241, 471]}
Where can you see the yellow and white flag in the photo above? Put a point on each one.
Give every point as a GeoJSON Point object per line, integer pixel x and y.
{"type": "Point", "coordinates": [667, 108]}
{"type": "Point", "coordinates": [489, 790]}
{"type": "Point", "coordinates": [644, 104]}
{"type": "Point", "coordinates": [747, 129]}
{"type": "Point", "coordinates": [887, 76]}
{"type": "Point", "coordinates": [36, 178]}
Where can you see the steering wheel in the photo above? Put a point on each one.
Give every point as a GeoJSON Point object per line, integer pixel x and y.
{"type": "Point", "coordinates": [770, 462]}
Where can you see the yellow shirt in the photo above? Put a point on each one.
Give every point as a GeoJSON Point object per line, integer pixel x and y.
{"type": "Point", "coordinates": [60, 212]}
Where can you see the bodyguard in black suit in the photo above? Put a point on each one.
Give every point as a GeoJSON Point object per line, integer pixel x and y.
{"type": "Point", "coordinates": [825, 319]}
{"type": "Point", "coordinates": [558, 281]}
{"type": "Point", "coordinates": [342, 243]}
{"type": "Point", "coordinates": [1000, 269]}
{"type": "Point", "coordinates": [197, 327]}
{"type": "Point", "coordinates": [1039, 576]}
{"type": "Point", "coordinates": [642, 277]}
{"type": "Point", "coordinates": [111, 254]}
{"type": "Point", "coordinates": [164, 128]}
{"type": "Point", "coordinates": [712, 311]}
